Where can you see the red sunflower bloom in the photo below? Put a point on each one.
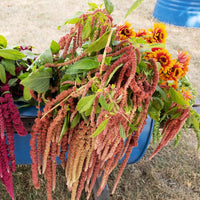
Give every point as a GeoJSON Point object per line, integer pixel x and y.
{"type": "Point", "coordinates": [177, 71]}
{"type": "Point", "coordinates": [159, 33]}
{"type": "Point", "coordinates": [126, 31]}
{"type": "Point", "coordinates": [141, 33]}
{"type": "Point", "coordinates": [164, 58]}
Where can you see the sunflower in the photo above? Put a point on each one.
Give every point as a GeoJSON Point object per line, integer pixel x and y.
{"type": "Point", "coordinates": [184, 59]}
{"type": "Point", "coordinates": [164, 58]}
{"type": "Point", "coordinates": [141, 33]}
{"type": "Point", "coordinates": [126, 31]}
{"type": "Point", "coordinates": [186, 94]}
{"type": "Point", "coordinates": [177, 71]}
{"type": "Point", "coordinates": [159, 33]}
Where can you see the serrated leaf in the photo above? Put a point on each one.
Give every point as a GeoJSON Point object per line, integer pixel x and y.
{"type": "Point", "coordinates": [83, 65]}
{"type": "Point", "coordinates": [46, 56]}
{"type": "Point", "coordinates": [87, 28]}
{"type": "Point", "coordinates": [103, 102]}
{"type": "Point", "coordinates": [26, 94]}
{"type": "Point", "coordinates": [76, 120]}
{"type": "Point", "coordinates": [85, 103]}
{"type": "Point", "coordinates": [38, 81]}
{"type": "Point", "coordinates": [2, 74]}
{"type": "Point", "coordinates": [100, 128]}
{"type": "Point", "coordinates": [178, 98]}
{"type": "Point", "coordinates": [9, 66]}
{"type": "Point", "coordinates": [133, 7]}
{"type": "Point", "coordinates": [3, 41]}
{"type": "Point", "coordinates": [122, 131]}
{"type": "Point", "coordinates": [55, 47]}
{"type": "Point", "coordinates": [11, 54]}
{"type": "Point", "coordinates": [99, 44]}
{"type": "Point", "coordinates": [109, 6]}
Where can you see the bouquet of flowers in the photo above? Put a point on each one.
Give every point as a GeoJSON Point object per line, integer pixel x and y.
{"type": "Point", "coordinates": [94, 90]}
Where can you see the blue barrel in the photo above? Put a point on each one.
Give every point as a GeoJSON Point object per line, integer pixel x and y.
{"type": "Point", "coordinates": [22, 143]}
{"type": "Point", "coordinates": [178, 12]}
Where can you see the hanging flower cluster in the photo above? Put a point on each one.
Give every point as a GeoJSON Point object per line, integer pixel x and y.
{"type": "Point", "coordinates": [11, 66]}
{"type": "Point", "coordinates": [9, 121]}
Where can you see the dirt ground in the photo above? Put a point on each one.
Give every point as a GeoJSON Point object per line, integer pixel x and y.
{"type": "Point", "coordinates": [173, 174]}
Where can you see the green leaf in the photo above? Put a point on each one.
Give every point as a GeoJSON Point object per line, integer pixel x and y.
{"type": "Point", "coordinates": [85, 103]}
{"type": "Point", "coordinates": [3, 41]}
{"type": "Point", "coordinates": [2, 74]}
{"type": "Point", "coordinates": [157, 103]}
{"type": "Point", "coordinates": [93, 6]}
{"type": "Point", "coordinates": [55, 47]}
{"type": "Point", "coordinates": [122, 132]}
{"type": "Point", "coordinates": [195, 120]}
{"type": "Point", "coordinates": [103, 102]}
{"type": "Point", "coordinates": [99, 44]}
{"type": "Point", "coordinates": [110, 106]}
{"type": "Point", "coordinates": [113, 72]}
{"type": "Point", "coordinates": [137, 41]}
{"type": "Point", "coordinates": [97, 111]}
{"type": "Point", "coordinates": [66, 77]}
{"type": "Point", "coordinates": [23, 76]}
{"type": "Point", "coordinates": [12, 82]}
{"type": "Point", "coordinates": [100, 128]}
{"type": "Point", "coordinates": [76, 120]}
{"type": "Point", "coordinates": [87, 28]}
{"type": "Point", "coordinates": [109, 6]}
{"type": "Point", "coordinates": [11, 54]}
{"type": "Point", "coordinates": [46, 56]}
{"type": "Point", "coordinates": [83, 65]}
{"type": "Point", "coordinates": [26, 94]}
{"type": "Point", "coordinates": [133, 7]}
{"type": "Point", "coordinates": [65, 127]}
{"type": "Point", "coordinates": [154, 113]}
{"type": "Point", "coordinates": [132, 127]}
{"type": "Point", "coordinates": [107, 60]}
{"type": "Point", "coordinates": [73, 20]}
{"type": "Point", "coordinates": [38, 81]}
{"type": "Point", "coordinates": [177, 97]}
{"type": "Point", "coordinates": [9, 66]}
{"type": "Point", "coordinates": [171, 111]}
{"type": "Point", "coordinates": [176, 116]}
{"type": "Point", "coordinates": [157, 45]}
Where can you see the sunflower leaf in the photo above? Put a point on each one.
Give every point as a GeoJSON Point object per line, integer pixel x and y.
{"type": "Point", "coordinates": [133, 7]}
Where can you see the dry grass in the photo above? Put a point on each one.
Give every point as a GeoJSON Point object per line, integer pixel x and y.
{"type": "Point", "coordinates": [173, 173]}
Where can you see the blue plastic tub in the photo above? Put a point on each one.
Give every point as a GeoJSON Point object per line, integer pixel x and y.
{"type": "Point", "coordinates": [178, 12]}
{"type": "Point", "coordinates": [22, 146]}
